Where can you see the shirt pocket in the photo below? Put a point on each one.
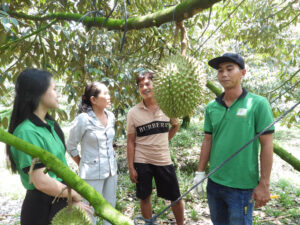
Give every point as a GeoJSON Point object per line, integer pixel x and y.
{"type": "Point", "coordinates": [89, 169]}
{"type": "Point", "coordinates": [90, 161]}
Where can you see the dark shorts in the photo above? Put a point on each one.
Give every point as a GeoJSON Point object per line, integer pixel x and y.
{"type": "Point", "coordinates": [165, 180]}
{"type": "Point", "coordinates": [37, 208]}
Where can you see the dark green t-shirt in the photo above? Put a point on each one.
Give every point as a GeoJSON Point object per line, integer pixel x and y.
{"type": "Point", "coordinates": [231, 128]}
{"type": "Point", "coordinates": [45, 136]}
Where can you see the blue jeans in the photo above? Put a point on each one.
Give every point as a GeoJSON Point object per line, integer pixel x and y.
{"type": "Point", "coordinates": [229, 206]}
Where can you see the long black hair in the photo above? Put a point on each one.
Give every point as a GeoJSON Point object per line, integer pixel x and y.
{"type": "Point", "coordinates": [90, 90]}
{"type": "Point", "coordinates": [31, 84]}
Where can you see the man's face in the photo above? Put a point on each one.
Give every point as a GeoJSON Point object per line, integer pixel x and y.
{"type": "Point", "coordinates": [145, 87]}
{"type": "Point", "coordinates": [230, 75]}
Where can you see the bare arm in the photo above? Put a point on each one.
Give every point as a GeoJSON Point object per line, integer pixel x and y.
{"type": "Point", "coordinates": [130, 157]}
{"type": "Point", "coordinates": [46, 184]}
{"type": "Point", "coordinates": [205, 152]}
{"type": "Point", "coordinates": [262, 193]}
{"type": "Point", "coordinates": [173, 130]}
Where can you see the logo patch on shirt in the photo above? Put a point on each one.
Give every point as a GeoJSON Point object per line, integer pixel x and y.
{"type": "Point", "coordinates": [155, 127]}
{"type": "Point", "coordinates": [241, 112]}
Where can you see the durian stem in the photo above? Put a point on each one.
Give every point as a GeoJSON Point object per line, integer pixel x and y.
{"type": "Point", "coordinates": [60, 194]}
{"type": "Point", "coordinates": [33, 162]}
{"type": "Point", "coordinates": [184, 37]}
{"type": "Point", "coordinates": [69, 198]}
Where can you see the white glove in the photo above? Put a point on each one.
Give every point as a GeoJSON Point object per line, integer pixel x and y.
{"type": "Point", "coordinates": [199, 176]}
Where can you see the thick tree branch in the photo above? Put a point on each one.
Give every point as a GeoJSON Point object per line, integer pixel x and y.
{"type": "Point", "coordinates": [184, 10]}
{"type": "Point", "coordinates": [286, 156]}
{"type": "Point", "coordinates": [101, 206]}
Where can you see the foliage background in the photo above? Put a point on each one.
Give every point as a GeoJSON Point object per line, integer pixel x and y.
{"type": "Point", "coordinates": [266, 33]}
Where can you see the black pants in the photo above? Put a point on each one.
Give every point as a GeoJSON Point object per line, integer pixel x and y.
{"type": "Point", "coordinates": [37, 208]}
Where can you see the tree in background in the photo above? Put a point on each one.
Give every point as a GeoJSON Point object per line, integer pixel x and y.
{"type": "Point", "coordinates": [82, 41]}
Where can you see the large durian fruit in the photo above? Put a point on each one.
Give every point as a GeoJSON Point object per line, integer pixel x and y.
{"type": "Point", "coordinates": [72, 216]}
{"type": "Point", "coordinates": [179, 85]}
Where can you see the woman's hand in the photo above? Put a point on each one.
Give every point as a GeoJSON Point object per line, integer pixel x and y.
{"type": "Point", "coordinates": [75, 196]}
{"type": "Point", "coordinates": [85, 207]}
{"type": "Point", "coordinates": [77, 159]}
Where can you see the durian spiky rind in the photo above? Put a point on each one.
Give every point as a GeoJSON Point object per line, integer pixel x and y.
{"type": "Point", "coordinates": [179, 85]}
{"type": "Point", "coordinates": [75, 216]}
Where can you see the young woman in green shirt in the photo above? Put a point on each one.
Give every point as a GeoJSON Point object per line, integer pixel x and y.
{"type": "Point", "coordinates": [35, 95]}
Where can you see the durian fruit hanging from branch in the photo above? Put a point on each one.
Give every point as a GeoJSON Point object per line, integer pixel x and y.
{"type": "Point", "coordinates": [71, 215]}
{"type": "Point", "coordinates": [179, 85]}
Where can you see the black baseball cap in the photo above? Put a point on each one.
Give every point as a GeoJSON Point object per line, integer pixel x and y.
{"type": "Point", "coordinates": [227, 57]}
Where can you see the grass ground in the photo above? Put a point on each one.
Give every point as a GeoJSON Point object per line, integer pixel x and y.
{"type": "Point", "coordinates": [285, 181]}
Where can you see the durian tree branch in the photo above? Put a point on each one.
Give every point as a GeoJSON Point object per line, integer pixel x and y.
{"type": "Point", "coordinates": [217, 91]}
{"type": "Point", "coordinates": [281, 152]}
{"type": "Point", "coordinates": [286, 156]}
{"type": "Point", "coordinates": [182, 11]}
{"type": "Point", "coordinates": [101, 206]}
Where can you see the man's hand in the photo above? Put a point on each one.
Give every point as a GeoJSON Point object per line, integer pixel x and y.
{"type": "Point", "coordinates": [133, 175]}
{"type": "Point", "coordinates": [198, 177]}
{"type": "Point", "coordinates": [261, 195]}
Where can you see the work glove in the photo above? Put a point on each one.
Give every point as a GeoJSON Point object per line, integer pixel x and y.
{"type": "Point", "coordinates": [199, 189]}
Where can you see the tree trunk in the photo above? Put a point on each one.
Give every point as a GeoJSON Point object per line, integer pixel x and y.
{"type": "Point", "coordinates": [101, 206]}
{"type": "Point", "coordinates": [282, 153]}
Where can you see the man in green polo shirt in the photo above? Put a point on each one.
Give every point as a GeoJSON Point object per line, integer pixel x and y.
{"type": "Point", "coordinates": [232, 120]}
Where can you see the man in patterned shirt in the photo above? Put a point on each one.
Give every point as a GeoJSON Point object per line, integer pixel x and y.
{"type": "Point", "coordinates": [148, 150]}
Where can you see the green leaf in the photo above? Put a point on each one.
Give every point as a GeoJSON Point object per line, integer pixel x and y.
{"type": "Point", "coordinates": [6, 24]}
{"type": "Point", "coordinates": [4, 122]}
{"type": "Point", "coordinates": [3, 13]}
{"type": "Point", "coordinates": [14, 21]}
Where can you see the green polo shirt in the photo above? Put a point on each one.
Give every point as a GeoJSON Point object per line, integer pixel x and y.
{"type": "Point", "coordinates": [47, 136]}
{"type": "Point", "coordinates": [231, 128]}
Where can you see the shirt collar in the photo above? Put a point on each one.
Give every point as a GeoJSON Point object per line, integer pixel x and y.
{"type": "Point", "coordinates": [50, 121]}
{"type": "Point", "coordinates": [142, 105]}
{"type": "Point", "coordinates": [220, 100]}
{"type": "Point", "coordinates": [38, 122]}
{"type": "Point", "coordinates": [91, 113]}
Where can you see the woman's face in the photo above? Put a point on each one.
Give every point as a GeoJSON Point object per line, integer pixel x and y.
{"type": "Point", "coordinates": [49, 99]}
{"type": "Point", "coordinates": [103, 99]}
